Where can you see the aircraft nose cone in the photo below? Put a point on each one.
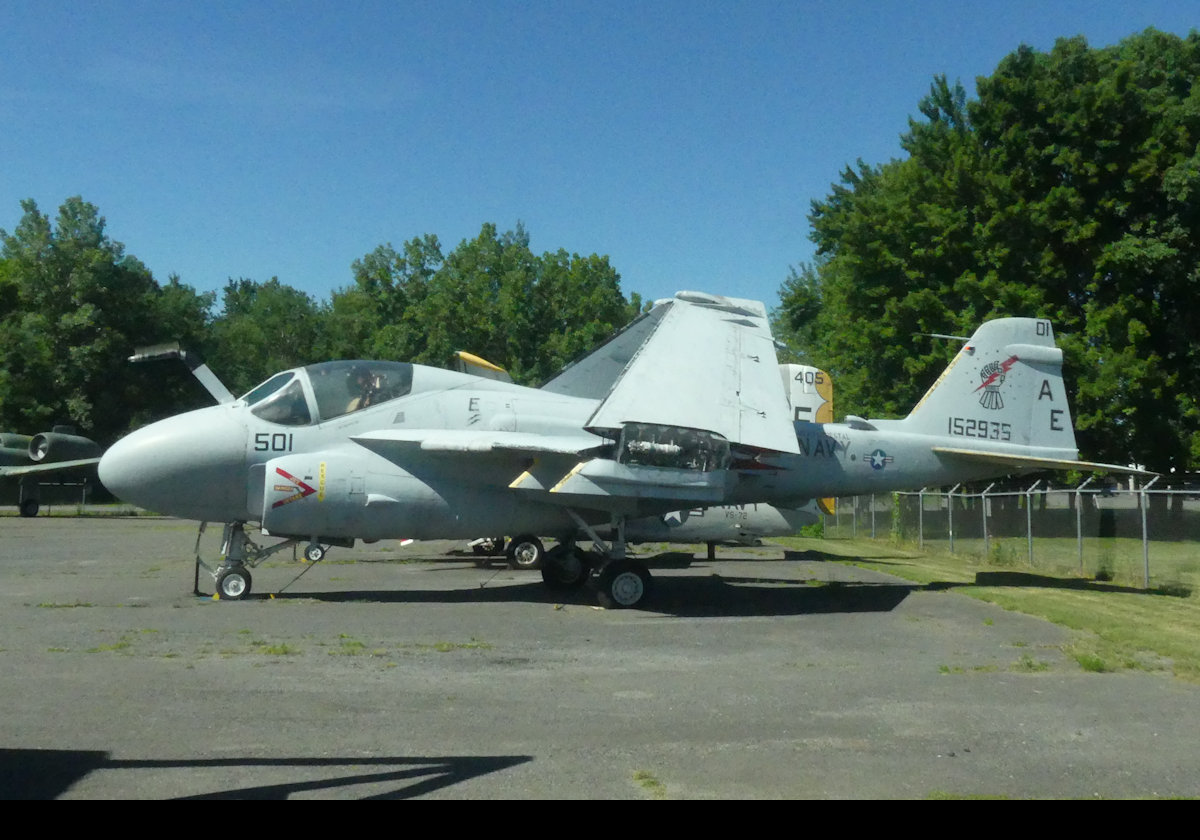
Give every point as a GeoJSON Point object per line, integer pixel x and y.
{"type": "Point", "coordinates": [192, 466]}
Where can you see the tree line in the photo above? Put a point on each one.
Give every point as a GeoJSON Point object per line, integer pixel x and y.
{"type": "Point", "coordinates": [1067, 189]}
{"type": "Point", "coordinates": [74, 305]}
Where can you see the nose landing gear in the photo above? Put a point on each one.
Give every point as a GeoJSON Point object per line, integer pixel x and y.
{"type": "Point", "coordinates": [239, 554]}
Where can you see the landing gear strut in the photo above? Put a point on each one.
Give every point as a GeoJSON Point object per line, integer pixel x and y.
{"type": "Point", "coordinates": [620, 582]}
{"type": "Point", "coordinates": [238, 555]}
{"type": "Point", "coordinates": [28, 503]}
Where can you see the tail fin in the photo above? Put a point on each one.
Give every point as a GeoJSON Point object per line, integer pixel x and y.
{"type": "Point", "coordinates": [1005, 386]}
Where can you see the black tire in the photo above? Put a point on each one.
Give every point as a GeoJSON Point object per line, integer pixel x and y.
{"type": "Point", "coordinates": [30, 507]}
{"type": "Point", "coordinates": [233, 584]}
{"type": "Point", "coordinates": [525, 552]}
{"type": "Point", "coordinates": [565, 567]}
{"type": "Point", "coordinates": [623, 584]}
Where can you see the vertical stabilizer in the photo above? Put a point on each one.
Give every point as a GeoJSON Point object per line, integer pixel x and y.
{"type": "Point", "coordinates": [1005, 386]}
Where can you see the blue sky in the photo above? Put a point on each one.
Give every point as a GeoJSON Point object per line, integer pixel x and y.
{"type": "Point", "coordinates": [684, 140]}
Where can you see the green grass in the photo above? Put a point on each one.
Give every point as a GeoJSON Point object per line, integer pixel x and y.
{"type": "Point", "coordinates": [277, 649]}
{"type": "Point", "coordinates": [1174, 564]}
{"type": "Point", "coordinates": [649, 783]}
{"type": "Point", "coordinates": [1118, 625]}
{"type": "Point", "coordinates": [120, 644]}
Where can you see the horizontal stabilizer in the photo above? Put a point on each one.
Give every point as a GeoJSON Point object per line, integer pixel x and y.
{"type": "Point", "coordinates": [1032, 463]}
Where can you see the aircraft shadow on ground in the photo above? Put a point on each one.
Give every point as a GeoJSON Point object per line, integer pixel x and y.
{"type": "Point", "coordinates": [47, 774]}
{"type": "Point", "coordinates": [716, 595]}
{"type": "Point", "coordinates": [681, 595]}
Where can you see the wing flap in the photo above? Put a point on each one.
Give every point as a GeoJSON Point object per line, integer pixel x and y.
{"type": "Point", "coordinates": [469, 441]}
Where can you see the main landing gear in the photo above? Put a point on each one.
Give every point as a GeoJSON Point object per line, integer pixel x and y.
{"type": "Point", "coordinates": [620, 582]}
{"type": "Point", "coordinates": [239, 554]}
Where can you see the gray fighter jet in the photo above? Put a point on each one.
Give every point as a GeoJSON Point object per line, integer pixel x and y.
{"type": "Point", "coordinates": [682, 409]}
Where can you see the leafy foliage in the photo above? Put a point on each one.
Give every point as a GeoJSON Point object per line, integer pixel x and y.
{"type": "Point", "coordinates": [74, 305]}
{"type": "Point", "coordinates": [491, 296]}
{"type": "Point", "coordinates": [263, 328]}
{"type": "Point", "coordinates": [1066, 191]}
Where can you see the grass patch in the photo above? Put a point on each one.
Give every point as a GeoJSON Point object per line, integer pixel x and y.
{"type": "Point", "coordinates": [1123, 625]}
{"type": "Point", "coordinates": [349, 647]}
{"type": "Point", "coordinates": [119, 644]}
{"type": "Point", "coordinates": [1092, 663]}
{"type": "Point", "coordinates": [474, 644]}
{"type": "Point", "coordinates": [649, 783]}
{"type": "Point", "coordinates": [278, 649]}
{"type": "Point", "coordinates": [1030, 665]}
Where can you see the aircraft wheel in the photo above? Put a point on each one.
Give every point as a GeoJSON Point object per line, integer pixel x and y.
{"type": "Point", "coordinates": [565, 567]}
{"type": "Point", "coordinates": [233, 584]}
{"type": "Point", "coordinates": [525, 552]}
{"type": "Point", "coordinates": [314, 553]}
{"type": "Point", "coordinates": [30, 507]}
{"type": "Point", "coordinates": [623, 584]}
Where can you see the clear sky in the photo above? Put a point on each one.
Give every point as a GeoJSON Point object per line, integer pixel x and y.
{"type": "Point", "coordinates": [685, 140]}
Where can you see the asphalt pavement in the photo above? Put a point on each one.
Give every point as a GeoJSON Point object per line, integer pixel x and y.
{"type": "Point", "coordinates": [391, 671]}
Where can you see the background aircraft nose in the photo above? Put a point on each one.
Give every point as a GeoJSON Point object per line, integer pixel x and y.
{"type": "Point", "coordinates": [192, 466]}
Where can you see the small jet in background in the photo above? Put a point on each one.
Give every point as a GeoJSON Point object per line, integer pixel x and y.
{"type": "Point", "coordinates": [34, 459]}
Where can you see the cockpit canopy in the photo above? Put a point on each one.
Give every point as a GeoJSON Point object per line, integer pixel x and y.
{"type": "Point", "coordinates": [324, 391]}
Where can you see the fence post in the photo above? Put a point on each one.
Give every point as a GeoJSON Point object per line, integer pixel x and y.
{"type": "Point", "coordinates": [1029, 518]}
{"type": "Point", "coordinates": [1142, 502]}
{"type": "Point", "coordinates": [983, 503]}
{"type": "Point", "coordinates": [1079, 519]}
{"type": "Point", "coordinates": [921, 519]}
{"type": "Point", "coordinates": [950, 514]}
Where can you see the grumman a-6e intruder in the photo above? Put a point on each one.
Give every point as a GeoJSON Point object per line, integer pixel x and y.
{"type": "Point", "coordinates": [684, 408]}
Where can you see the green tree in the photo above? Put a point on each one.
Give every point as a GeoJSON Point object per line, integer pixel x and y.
{"type": "Point", "coordinates": [264, 328]}
{"type": "Point", "coordinates": [1066, 190]}
{"type": "Point", "coordinates": [75, 307]}
{"type": "Point", "coordinates": [491, 296]}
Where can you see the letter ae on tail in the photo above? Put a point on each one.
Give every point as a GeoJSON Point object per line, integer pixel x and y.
{"type": "Point", "coordinates": [1003, 392]}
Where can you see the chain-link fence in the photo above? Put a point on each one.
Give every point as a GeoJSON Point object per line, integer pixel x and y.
{"type": "Point", "coordinates": [1133, 532]}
